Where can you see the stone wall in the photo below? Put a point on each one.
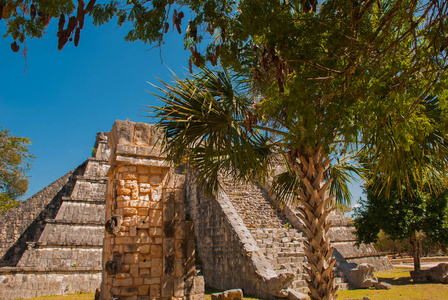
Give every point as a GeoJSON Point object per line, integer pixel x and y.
{"type": "Point", "coordinates": [28, 284]}
{"type": "Point", "coordinates": [229, 254]}
{"type": "Point", "coordinates": [25, 222]}
{"type": "Point", "coordinates": [149, 246]}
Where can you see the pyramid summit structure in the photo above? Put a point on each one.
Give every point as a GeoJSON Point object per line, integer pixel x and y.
{"type": "Point", "coordinates": [52, 243]}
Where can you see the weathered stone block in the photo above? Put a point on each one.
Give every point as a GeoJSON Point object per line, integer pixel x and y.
{"type": "Point", "coordinates": [194, 285]}
{"type": "Point", "coordinates": [168, 212]}
{"type": "Point", "coordinates": [124, 282]}
{"type": "Point", "coordinates": [156, 218]}
{"type": "Point", "coordinates": [179, 287]}
{"type": "Point", "coordinates": [156, 251]}
{"type": "Point", "coordinates": [155, 205]}
{"type": "Point", "coordinates": [168, 228]}
{"type": "Point", "coordinates": [143, 178]}
{"type": "Point", "coordinates": [152, 281]}
{"type": "Point", "coordinates": [145, 249]}
{"type": "Point", "coordinates": [156, 267]}
{"type": "Point", "coordinates": [156, 179]}
{"type": "Point", "coordinates": [167, 287]}
{"type": "Point", "coordinates": [144, 272]}
{"type": "Point", "coordinates": [131, 248]}
{"type": "Point", "coordinates": [134, 270]}
{"type": "Point", "coordinates": [169, 196]}
{"type": "Point", "coordinates": [142, 134]}
{"type": "Point", "coordinates": [129, 291]}
{"type": "Point", "coordinates": [236, 294]}
{"type": "Point", "coordinates": [168, 246]}
{"type": "Point", "coordinates": [143, 240]}
{"type": "Point", "coordinates": [124, 240]}
{"type": "Point", "coordinates": [130, 258]}
{"type": "Point", "coordinates": [168, 265]}
{"type": "Point", "coordinates": [143, 290]}
{"type": "Point", "coordinates": [155, 231]}
{"type": "Point", "coordinates": [132, 231]}
{"type": "Point", "coordinates": [129, 211]}
{"type": "Point", "coordinates": [143, 211]}
{"type": "Point", "coordinates": [437, 274]}
{"type": "Point", "coordinates": [122, 133]}
{"type": "Point", "coordinates": [154, 291]}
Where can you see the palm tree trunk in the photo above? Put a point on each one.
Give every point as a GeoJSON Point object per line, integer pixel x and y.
{"type": "Point", "coordinates": [311, 166]}
{"type": "Point", "coordinates": [415, 251]}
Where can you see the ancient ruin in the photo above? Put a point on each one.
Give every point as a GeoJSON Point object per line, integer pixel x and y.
{"type": "Point", "coordinates": [52, 243]}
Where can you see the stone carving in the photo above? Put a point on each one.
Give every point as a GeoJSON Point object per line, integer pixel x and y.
{"type": "Point", "coordinates": [278, 285]}
{"type": "Point", "coordinates": [153, 250]}
{"type": "Point", "coordinates": [437, 274]}
{"type": "Point", "coordinates": [113, 225]}
{"type": "Point", "coordinates": [362, 277]}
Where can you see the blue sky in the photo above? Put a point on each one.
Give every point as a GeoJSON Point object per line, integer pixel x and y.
{"type": "Point", "coordinates": [65, 97]}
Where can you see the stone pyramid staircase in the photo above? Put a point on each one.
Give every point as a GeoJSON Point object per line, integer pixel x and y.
{"type": "Point", "coordinates": [281, 244]}
{"type": "Point", "coordinates": [64, 254]}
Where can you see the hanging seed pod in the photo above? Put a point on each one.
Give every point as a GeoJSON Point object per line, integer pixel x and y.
{"type": "Point", "coordinates": [61, 23]}
{"type": "Point", "coordinates": [2, 5]}
{"type": "Point", "coordinates": [89, 6]}
{"type": "Point", "coordinates": [32, 12]}
{"type": "Point", "coordinates": [71, 24]}
{"type": "Point", "coordinates": [63, 39]}
{"type": "Point", "coordinates": [77, 33]}
{"type": "Point", "coordinates": [216, 53]}
{"type": "Point", "coordinates": [15, 47]}
{"type": "Point", "coordinates": [167, 27]}
{"type": "Point", "coordinates": [211, 58]}
{"type": "Point", "coordinates": [174, 18]}
{"type": "Point", "coordinates": [178, 28]}
{"type": "Point", "coordinates": [197, 57]}
{"type": "Point", "coordinates": [80, 13]}
{"type": "Point", "coordinates": [190, 66]}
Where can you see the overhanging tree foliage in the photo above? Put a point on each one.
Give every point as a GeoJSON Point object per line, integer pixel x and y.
{"type": "Point", "coordinates": [14, 163]}
{"type": "Point", "coordinates": [328, 76]}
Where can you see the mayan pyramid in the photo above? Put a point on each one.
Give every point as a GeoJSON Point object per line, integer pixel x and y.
{"type": "Point", "coordinates": [52, 243]}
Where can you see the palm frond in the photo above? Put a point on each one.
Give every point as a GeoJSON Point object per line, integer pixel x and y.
{"type": "Point", "coordinates": [345, 171]}
{"type": "Point", "coordinates": [203, 119]}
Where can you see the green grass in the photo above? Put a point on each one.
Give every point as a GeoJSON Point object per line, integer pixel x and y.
{"type": "Point", "coordinates": [402, 288]}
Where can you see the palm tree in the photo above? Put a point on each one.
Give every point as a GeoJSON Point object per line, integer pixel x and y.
{"type": "Point", "coordinates": [207, 119]}
{"type": "Point", "coordinates": [212, 122]}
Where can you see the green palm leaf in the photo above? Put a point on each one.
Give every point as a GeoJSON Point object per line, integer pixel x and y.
{"type": "Point", "coordinates": [203, 119]}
